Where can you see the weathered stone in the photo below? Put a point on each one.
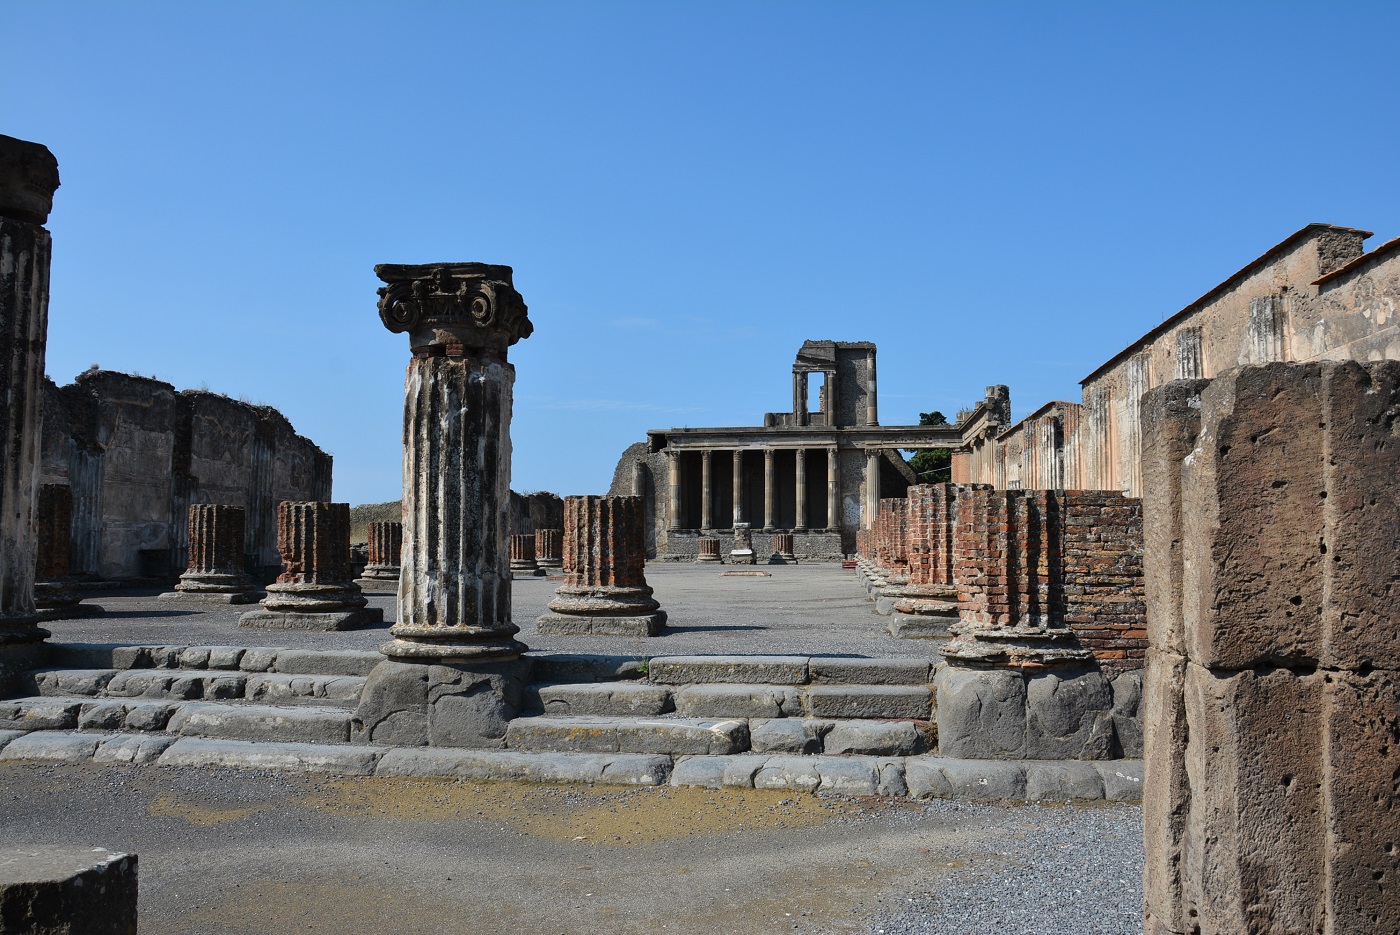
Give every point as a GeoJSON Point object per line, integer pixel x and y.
{"type": "Point", "coordinates": [877, 738]}
{"type": "Point", "coordinates": [708, 549]}
{"type": "Point", "coordinates": [522, 556]}
{"type": "Point", "coordinates": [39, 713]}
{"type": "Point", "coordinates": [578, 667]}
{"type": "Point", "coordinates": [341, 759]}
{"type": "Point", "coordinates": [443, 705]}
{"type": "Point", "coordinates": [762, 701]}
{"type": "Point", "coordinates": [63, 889]}
{"type": "Point", "coordinates": [870, 701]}
{"type": "Point", "coordinates": [261, 723]}
{"type": "Point", "coordinates": [1062, 781]}
{"type": "Point", "coordinates": [617, 769]}
{"type": "Point", "coordinates": [283, 688]}
{"type": "Point", "coordinates": [742, 553]}
{"type": "Point", "coordinates": [984, 780]}
{"type": "Point", "coordinates": [981, 713]}
{"type": "Point", "coordinates": [314, 591]}
{"type": "Point", "coordinates": [621, 699]}
{"type": "Point", "coordinates": [322, 621]}
{"type": "Point", "coordinates": [1122, 780]}
{"type": "Point", "coordinates": [801, 736]}
{"type": "Point", "coordinates": [846, 671]}
{"type": "Point", "coordinates": [761, 670]}
{"type": "Point", "coordinates": [549, 550]}
{"type": "Point", "coordinates": [52, 745]}
{"type": "Point", "coordinates": [385, 546]}
{"type": "Point", "coordinates": [56, 596]}
{"type": "Point", "coordinates": [1069, 715]}
{"type": "Point", "coordinates": [671, 736]}
{"type": "Point", "coordinates": [322, 661]}
{"type": "Point", "coordinates": [72, 681]}
{"type": "Point", "coordinates": [605, 590]}
{"type": "Point", "coordinates": [126, 748]}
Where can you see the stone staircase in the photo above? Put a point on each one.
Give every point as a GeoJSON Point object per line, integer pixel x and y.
{"type": "Point", "coordinates": [854, 725]}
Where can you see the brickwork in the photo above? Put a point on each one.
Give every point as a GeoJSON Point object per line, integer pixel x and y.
{"type": "Point", "coordinates": [932, 521]}
{"type": "Point", "coordinates": [603, 542]}
{"type": "Point", "coordinates": [709, 549]}
{"type": "Point", "coordinates": [385, 543]}
{"type": "Point", "coordinates": [1101, 559]}
{"type": "Point", "coordinates": [549, 547]}
{"type": "Point", "coordinates": [522, 554]}
{"type": "Point", "coordinates": [55, 523]}
{"type": "Point", "coordinates": [891, 528]}
{"type": "Point", "coordinates": [782, 544]}
{"type": "Point", "coordinates": [314, 539]}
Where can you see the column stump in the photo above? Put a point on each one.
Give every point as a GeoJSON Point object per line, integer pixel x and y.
{"type": "Point", "coordinates": [605, 591]}
{"type": "Point", "coordinates": [385, 546]}
{"type": "Point", "coordinates": [215, 574]}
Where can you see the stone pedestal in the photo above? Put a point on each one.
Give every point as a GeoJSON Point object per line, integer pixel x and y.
{"type": "Point", "coordinates": [522, 556]}
{"type": "Point", "coordinates": [215, 574]}
{"type": "Point", "coordinates": [385, 545]}
{"type": "Point", "coordinates": [605, 590]}
{"type": "Point", "coordinates": [742, 552]}
{"type": "Point", "coordinates": [709, 549]}
{"type": "Point", "coordinates": [28, 178]}
{"type": "Point", "coordinates": [56, 595]}
{"type": "Point", "coordinates": [549, 550]}
{"type": "Point", "coordinates": [782, 550]}
{"type": "Point", "coordinates": [314, 591]}
{"type": "Point", "coordinates": [453, 673]}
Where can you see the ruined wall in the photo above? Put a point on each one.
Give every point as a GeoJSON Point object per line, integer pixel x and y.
{"type": "Point", "coordinates": [1103, 588]}
{"type": "Point", "coordinates": [1272, 686]}
{"type": "Point", "coordinates": [136, 454]}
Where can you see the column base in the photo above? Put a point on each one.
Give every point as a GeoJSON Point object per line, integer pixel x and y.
{"type": "Point", "coordinates": [76, 611]}
{"type": "Point", "coordinates": [979, 645]}
{"type": "Point", "coordinates": [378, 585]}
{"type": "Point", "coordinates": [552, 567]}
{"type": "Point", "coordinates": [212, 597]}
{"type": "Point", "coordinates": [453, 644]}
{"type": "Point", "coordinates": [379, 578]}
{"type": "Point", "coordinates": [742, 557]}
{"type": "Point", "coordinates": [215, 582]}
{"type": "Point", "coordinates": [341, 597]}
{"type": "Point", "coordinates": [525, 569]}
{"type": "Point", "coordinates": [601, 625]}
{"type": "Point", "coordinates": [327, 621]}
{"type": "Point", "coordinates": [702, 557]}
{"type": "Point", "coordinates": [465, 704]}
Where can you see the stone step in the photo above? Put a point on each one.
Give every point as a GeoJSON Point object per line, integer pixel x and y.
{"type": "Point", "coordinates": [730, 700]}
{"type": "Point", "coordinates": [193, 684]}
{"type": "Point", "coordinates": [668, 736]}
{"type": "Point", "coordinates": [788, 670]}
{"type": "Point", "coordinates": [917, 777]}
{"type": "Point", "coordinates": [100, 656]}
{"type": "Point", "coordinates": [294, 724]}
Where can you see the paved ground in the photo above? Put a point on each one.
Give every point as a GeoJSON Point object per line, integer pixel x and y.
{"type": "Point", "coordinates": [803, 609]}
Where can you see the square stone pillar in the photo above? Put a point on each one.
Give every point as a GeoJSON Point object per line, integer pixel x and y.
{"type": "Point", "coordinates": [1273, 687]}
{"type": "Point", "coordinates": [28, 179]}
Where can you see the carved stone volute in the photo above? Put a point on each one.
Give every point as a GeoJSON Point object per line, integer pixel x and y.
{"type": "Point", "coordinates": [453, 308]}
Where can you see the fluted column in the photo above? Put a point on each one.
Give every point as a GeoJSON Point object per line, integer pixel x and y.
{"type": "Point", "coordinates": [872, 416]}
{"type": "Point", "coordinates": [708, 550]}
{"type": "Point", "coordinates": [28, 178]}
{"type": "Point", "coordinates": [872, 488]}
{"type": "Point", "coordinates": [454, 593]}
{"type": "Point", "coordinates": [833, 490]}
{"type": "Point", "coordinates": [738, 470]}
{"type": "Point", "coordinates": [314, 590]}
{"type": "Point", "coordinates": [605, 590]}
{"type": "Point", "coordinates": [215, 572]}
{"type": "Point", "coordinates": [706, 517]}
{"type": "Point", "coordinates": [801, 481]}
{"type": "Point", "coordinates": [673, 485]}
{"type": "Point", "coordinates": [768, 489]}
{"type": "Point", "coordinates": [782, 547]}
{"type": "Point", "coordinates": [522, 556]}
{"type": "Point", "coordinates": [549, 549]}
{"type": "Point", "coordinates": [383, 569]}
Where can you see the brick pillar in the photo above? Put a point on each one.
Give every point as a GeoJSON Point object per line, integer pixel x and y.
{"type": "Point", "coordinates": [549, 549]}
{"type": "Point", "coordinates": [1272, 685]}
{"type": "Point", "coordinates": [314, 591]}
{"type": "Point", "coordinates": [605, 589]}
{"type": "Point", "coordinates": [382, 571]}
{"type": "Point", "coordinates": [522, 556]}
{"type": "Point", "coordinates": [215, 574]}
{"type": "Point", "coordinates": [928, 605]}
{"type": "Point", "coordinates": [55, 593]}
{"type": "Point", "coordinates": [28, 178]}
{"type": "Point", "coordinates": [709, 549]}
{"type": "Point", "coordinates": [782, 547]}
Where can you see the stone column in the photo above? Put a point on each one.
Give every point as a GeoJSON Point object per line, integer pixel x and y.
{"type": "Point", "coordinates": [605, 588]}
{"type": "Point", "coordinates": [549, 549]}
{"type": "Point", "coordinates": [833, 490]}
{"type": "Point", "coordinates": [738, 470]}
{"type": "Point", "coordinates": [872, 416]}
{"type": "Point", "coordinates": [799, 397]}
{"type": "Point", "coordinates": [872, 488]}
{"type": "Point", "coordinates": [768, 489]}
{"type": "Point", "coordinates": [709, 549]}
{"type": "Point", "coordinates": [1273, 687]}
{"type": "Point", "coordinates": [314, 591]}
{"type": "Point", "coordinates": [55, 594]}
{"type": "Point", "coordinates": [385, 548]}
{"type": "Point", "coordinates": [673, 474]}
{"type": "Point", "coordinates": [454, 593]}
{"type": "Point", "coordinates": [522, 556]}
{"type": "Point", "coordinates": [28, 178]}
{"type": "Point", "coordinates": [706, 519]}
{"type": "Point", "coordinates": [639, 477]}
{"type": "Point", "coordinates": [216, 559]}
{"type": "Point", "coordinates": [800, 523]}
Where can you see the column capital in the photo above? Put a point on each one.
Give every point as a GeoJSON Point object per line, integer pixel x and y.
{"type": "Point", "coordinates": [453, 308]}
{"type": "Point", "coordinates": [28, 179]}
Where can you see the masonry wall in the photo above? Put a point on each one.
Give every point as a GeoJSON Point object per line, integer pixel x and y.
{"type": "Point", "coordinates": [1272, 684]}
{"type": "Point", "coordinates": [136, 453]}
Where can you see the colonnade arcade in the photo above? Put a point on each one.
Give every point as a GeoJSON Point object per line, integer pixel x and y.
{"type": "Point", "coordinates": [769, 487]}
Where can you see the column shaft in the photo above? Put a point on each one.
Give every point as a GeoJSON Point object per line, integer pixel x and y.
{"type": "Point", "coordinates": [738, 468]}
{"type": "Point", "coordinates": [673, 466]}
{"type": "Point", "coordinates": [872, 488]}
{"type": "Point", "coordinates": [801, 472]}
{"type": "Point", "coordinates": [833, 490]}
{"type": "Point", "coordinates": [706, 519]}
{"type": "Point", "coordinates": [872, 416]}
{"type": "Point", "coordinates": [768, 489]}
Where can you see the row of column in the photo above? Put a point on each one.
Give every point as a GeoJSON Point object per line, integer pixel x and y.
{"type": "Point", "coordinates": [833, 488]}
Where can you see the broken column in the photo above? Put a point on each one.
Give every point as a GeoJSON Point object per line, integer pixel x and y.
{"type": "Point", "coordinates": [781, 549]}
{"type": "Point", "coordinates": [549, 550]}
{"type": "Point", "coordinates": [452, 675]}
{"type": "Point", "coordinates": [522, 556]}
{"type": "Point", "coordinates": [314, 591]}
{"type": "Point", "coordinates": [742, 553]}
{"type": "Point", "coordinates": [605, 590]}
{"type": "Point", "coordinates": [709, 549]}
{"type": "Point", "coordinates": [1273, 688]}
{"type": "Point", "coordinates": [56, 595]}
{"type": "Point", "coordinates": [385, 544]}
{"type": "Point", "coordinates": [215, 574]}
{"type": "Point", "coordinates": [892, 555]}
{"type": "Point", "coordinates": [928, 605]}
{"type": "Point", "coordinates": [28, 178]}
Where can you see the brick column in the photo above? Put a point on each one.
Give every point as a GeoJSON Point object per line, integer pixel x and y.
{"type": "Point", "coordinates": [782, 547]}
{"type": "Point", "coordinates": [522, 556]}
{"type": "Point", "coordinates": [382, 571]}
{"type": "Point", "coordinates": [605, 589]}
{"type": "Point", "coordinates": [928, 604]}
{"type": "Point", "coordinates": [1273, 686]}
{"type": "Point", "coordinates": [314, 591]}
{"type": "Point", "coordinates": [800, 523]}
{"type": "Point", "coordinates": [55, 594]}
{"type": "Point", "coordinates": [549, 549]}
{"type": "Point", "coordinates": [215, 572]}
{"type": "Point", "coordinates": [706, 494]}
{"type": "Point", "coordinates": [28, 178]}
{"type": "Point", "coordinates": [709, 549]}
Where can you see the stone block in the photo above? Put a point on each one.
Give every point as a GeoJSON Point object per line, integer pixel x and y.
{"type": "Point", "coordinates": [1069, 715]}
{"type": "Point", "coordinates": [797, 774]}
{"type": "Point", "coordinates": [603, 698]}
{"type": "Point", "coordinates": [506, 765]}
{"type": "Point", "coordinates": [7, 735]}
{"type": "Point", "coordinates": [857, 775]}
{"type": "Point", "coordinates": [327, 621]}
{"type": "Point", "coordinates": [1062, 781]}
{"type": "Point", "coordinates": [716, 772]}
{"type": "Point", "coordinates": [653, 624]}
{"type": "Point", "coordinates": [1122, 779]}
{"type": "Point", "coordinates": [583, 667]}
{"type": "Point", "coordinates": [738, 701]}
{"type": "Point", "coordinates": [261, 723]}
{"type": "Point", "coordinates": [751, 670]}
{"type": "Point", "coordinates": [448, 705]}
{"type": "Point", "coordinates": [131, 748]}
{"type": "Point", "coordinates": [800, 736]}
{"type": "Point", "coordinates": [1127, 712]}
{"type": "Point", "coordinates": [984, 780]}
{"type": "Point", "coordinates": [287, 688]}
{"type": "Point", "coordinates": [125, 715]}
{"type": "Point", "coordinates": [260, 659]}
{"type": "Point", "coordinates": [925, 780]}
{"type": "Point", "coordinates": [67, 890]}
{"type": "Point", "coordinates": [876, 738]}
{"type": "Point", "coordinates": [920, 627]}
{"type": "Point", "coordinates": [72, 681]}
{"type": "Point", "coordinates": [212, 597]}
{"type": "Point", "coordinates": [39, 713]}
{"type": "Point", "coordinates": [339, 759]}
{"type": "Point", "coordinates": [824, 670]}
{"type": "Point", "coordinates": [981, 713]}
{"type": "Point", "coordinates": [1166, 800]}
{"type": "Point", "coordinates": [326, 661]}
{"type": "Point", "coordinates": [52, 745]}
{"type": "Point", "coordinates": [870, 701]}
{"type": "Point", "coordinates": [677, 737]}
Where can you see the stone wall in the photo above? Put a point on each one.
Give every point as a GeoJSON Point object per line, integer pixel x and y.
{"type": "Point", "coordinates": [137, 453]}
{"type": "Point", "coordinates": [531, 512]}
{"type": "Point", "coordinates": [1272, 683]}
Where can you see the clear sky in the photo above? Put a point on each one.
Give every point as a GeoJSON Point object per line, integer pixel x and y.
{"type": "Point", "coordinates": [992, 192]}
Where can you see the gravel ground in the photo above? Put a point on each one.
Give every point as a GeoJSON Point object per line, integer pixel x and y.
{"type": "Point", "coordinates": [232, 852]}
{"type": "Point", "coordinates": [807, 610]}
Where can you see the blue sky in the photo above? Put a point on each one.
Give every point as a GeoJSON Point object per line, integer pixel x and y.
{"type": "Point", "coordinates": [993, 192]}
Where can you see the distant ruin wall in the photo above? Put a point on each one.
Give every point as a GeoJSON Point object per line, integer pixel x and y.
{"type": "Point", "coordinates": [137, 454]}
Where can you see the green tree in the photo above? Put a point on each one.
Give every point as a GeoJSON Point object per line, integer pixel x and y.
{"type": "Point", "coordinates": [932, 465]}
